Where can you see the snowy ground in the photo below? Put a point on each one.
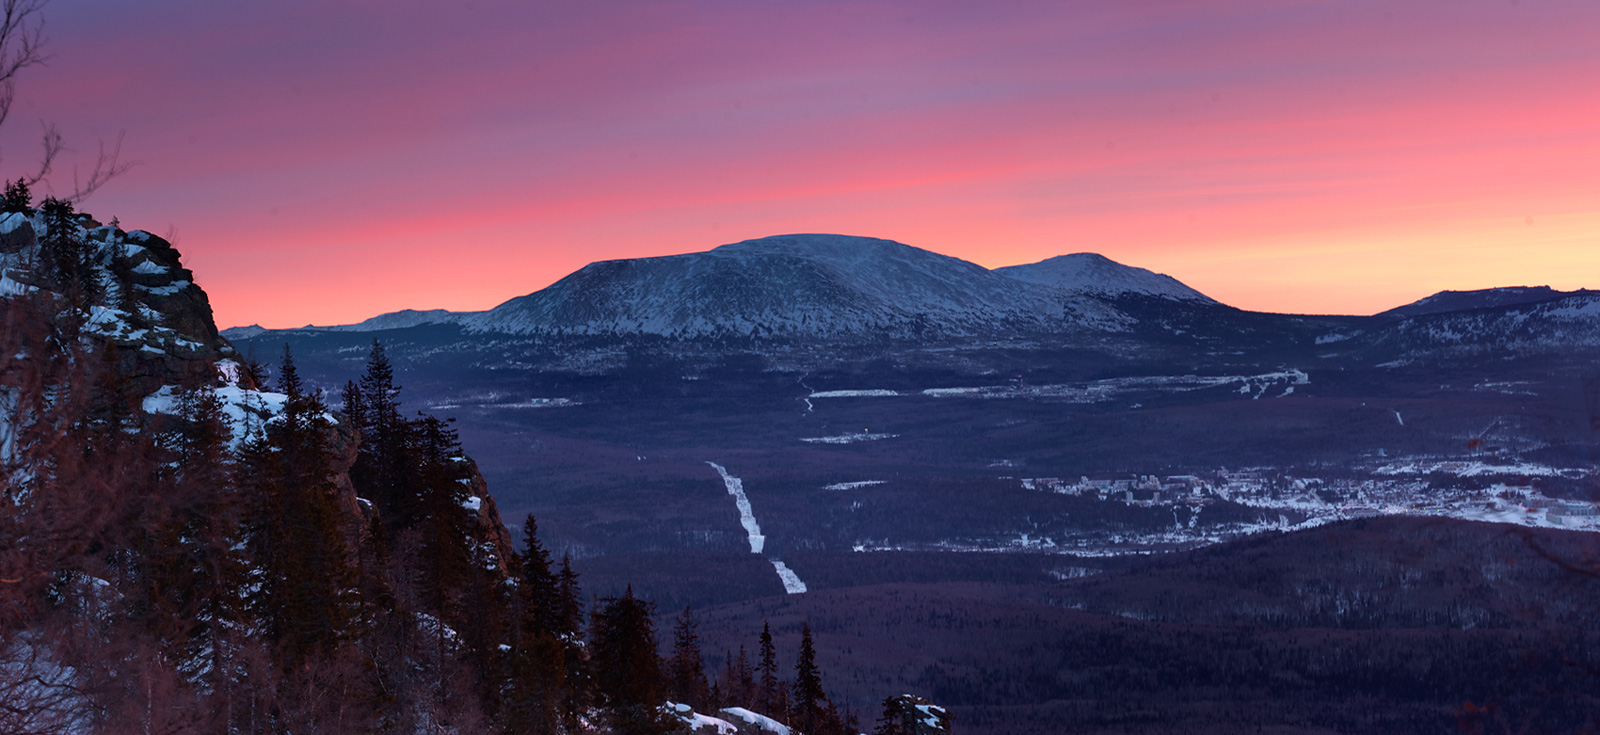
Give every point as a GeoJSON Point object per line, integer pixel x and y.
{"type": "Point", "coordinates": [1281, 383]}
{"type": "Point", "coordinates": [747, 518]}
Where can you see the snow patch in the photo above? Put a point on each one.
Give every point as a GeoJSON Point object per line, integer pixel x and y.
{"type": "Point", "coordinates": [762, 723]}
{"type": "Point", "coordinates": [848, 438]}
{"type": "Point", "coordinates": [871, 393]}
{"type": "Point", "coordinates": [747, 517]}
{"type": "Point", "coordinates": [852, 485]}
{"type": "Point", "coordinates": [791, 581]}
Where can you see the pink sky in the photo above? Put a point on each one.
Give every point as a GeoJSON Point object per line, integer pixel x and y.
{"type": "Point", "coordinates": [324, 161]}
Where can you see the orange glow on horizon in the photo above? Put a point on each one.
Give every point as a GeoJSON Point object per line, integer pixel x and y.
{"type": "Point", "coordinates": [1330, 156]}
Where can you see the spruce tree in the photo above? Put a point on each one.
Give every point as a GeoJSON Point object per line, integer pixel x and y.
{"type": "Point", "coordinates": [808, 699]}
{"type": "Point", "coordinates": [445, 527]}
{"type": "Point", "coordinates": [767, 697]}
{"type": "Point", "coordinates": [686, 679]}
{"type": "Point", "coordinates": [381, 468]}
{"type": "Point", "coordinates": [17, 198]}
{"type": "Point", "coordinates": [543, 613]}
{"type": "Point", "coordinates": [744, 678]}
{"type": "Point", "coordinates": [891, 721]}
{"type": "Point", "coordinates": [209, 570]}
{"type": "Point", "coordinates": [307, 594]}
{"type": "Point", "coordinates": [67, 259]}
{"type": "Point", "coordinates": [577, 690]}
{"type": "Point", "coordinates": [627, 671]}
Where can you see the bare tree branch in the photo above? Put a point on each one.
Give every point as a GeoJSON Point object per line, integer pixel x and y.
{"type": "Point", "coordinates": [21, 45]}
{"type": "Point", "coordinates": [52, 146]}
{"type": "Point", "coordinates": [107, 166]}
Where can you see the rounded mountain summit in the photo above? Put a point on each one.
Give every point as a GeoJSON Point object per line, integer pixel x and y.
{"type": "Point", "coordinates": [819, 286]}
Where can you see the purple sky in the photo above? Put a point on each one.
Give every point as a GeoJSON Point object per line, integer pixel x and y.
{"type": "Point", "coordinates": [328, 161]}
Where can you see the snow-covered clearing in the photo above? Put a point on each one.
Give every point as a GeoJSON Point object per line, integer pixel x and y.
{"type": "Point", "coordinates": [871, 393]}
{"type": "Point", "coordinates": [864, 436]}
{"type": "Point", "coordinates": [1255, 386]}
{"type": "Point", "coordinates": [747, 517]}
{"type": "Point", "coordinates": [791, 581]}
{"type": "Point", "coordinates": [852, 485]}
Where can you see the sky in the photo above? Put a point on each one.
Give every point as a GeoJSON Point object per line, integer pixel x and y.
{"type": "Point", "coordinates": [324, 161]}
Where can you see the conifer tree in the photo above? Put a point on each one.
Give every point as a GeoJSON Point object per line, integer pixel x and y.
{"type": "Point", "coordinates": [808, 698]}
{"type": "Point", "coordinates": [577, 691]}
{"type": "Point", "coordinates": [68, 260]}
{"type": "Point", "coordinates": [891, 721]}
{"type": "Point", "coordinates": [538, 658]}
{"type": "Point", "coordinates": [17, 197]}
{"type": "Point", "coordinates": [381, 464]}
{"type": "Point", "coordinates": [207, 571]}
{"type": "Point", "coordinates": [446, 540]}
{"type": "Point", "coordinates": [306, 596]}
{"type": "Point", "coordinates": [627, 671]}
{"type": "Point", "coordinates": [744, 679]}
{"type": "Point", "coordinates": [543, 611]}
{"type": "Point", "coordinates": [686, 679]}
{"type": "Point", "coordinates": [767, 697]}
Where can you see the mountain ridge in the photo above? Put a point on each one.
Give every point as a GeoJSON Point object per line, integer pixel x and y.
{"type": "Point", "coordinates": [810, 285]}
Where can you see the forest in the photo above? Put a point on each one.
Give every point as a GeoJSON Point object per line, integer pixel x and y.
{"type": "Point", "coordinates": [244, 560]}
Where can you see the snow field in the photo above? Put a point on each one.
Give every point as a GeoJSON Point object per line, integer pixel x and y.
{"type": "Point", "coordinates": [747, 518]}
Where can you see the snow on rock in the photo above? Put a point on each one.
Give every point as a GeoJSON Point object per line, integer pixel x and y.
{"type": "Point", "coordinates": [791, 581]}
{"type": "Point", "coordinates": [747, 517]}
{"type": "Point", "coordinates": [701, 724]}
{"type": "Point", "coordinates": [246, 410]}
{"type": "Point", "coordinates": [762, 723]}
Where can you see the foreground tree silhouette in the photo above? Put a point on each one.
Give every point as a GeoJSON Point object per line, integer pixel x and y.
{"type": "Point", "coordinates": [627, 673]}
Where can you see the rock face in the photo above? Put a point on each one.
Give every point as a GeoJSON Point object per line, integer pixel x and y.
{"type": "Point", "coordinates": [155, 325]}
{"type": "Point", "coordinates": [154, 320]}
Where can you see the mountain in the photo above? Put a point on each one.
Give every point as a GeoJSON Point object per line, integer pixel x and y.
{"type": "Point", "coordinates": [403, 319]}
{"type": "Point", "coordinates": [1091, 273]}
{"type": "Point", "coordinates": [812, 285]}
{"type": "Point", "coordinates": [795, 286]}
{"type": "Point", "coordinates": [1446, 301]}
{"type": "Point", "coordinates": [1546, 321]}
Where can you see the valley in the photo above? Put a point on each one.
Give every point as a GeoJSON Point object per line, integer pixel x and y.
{"type": "Point", "coordinates": [1072, 515]}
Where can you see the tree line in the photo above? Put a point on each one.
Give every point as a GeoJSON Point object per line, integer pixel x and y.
{"type": "Point", "coordinates": [330, 571]}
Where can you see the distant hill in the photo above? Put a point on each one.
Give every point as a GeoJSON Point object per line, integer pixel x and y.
{"type": "Point", "coordinates": [1446, 301]}
{"type": "Point", "coordinates": [813, 285]}
{"type": "Point", "coordinates": [1091, 273]}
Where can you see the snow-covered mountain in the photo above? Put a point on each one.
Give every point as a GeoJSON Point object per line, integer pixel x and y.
{"type": "Point", "coordinates": [1563, 321]}
{"type": "Point", "coordinates": [1446, 301]}
{"type": "Point", "coordinates": [1091, 273]}
{"type": "Point", "coordinates": [797, 285]}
